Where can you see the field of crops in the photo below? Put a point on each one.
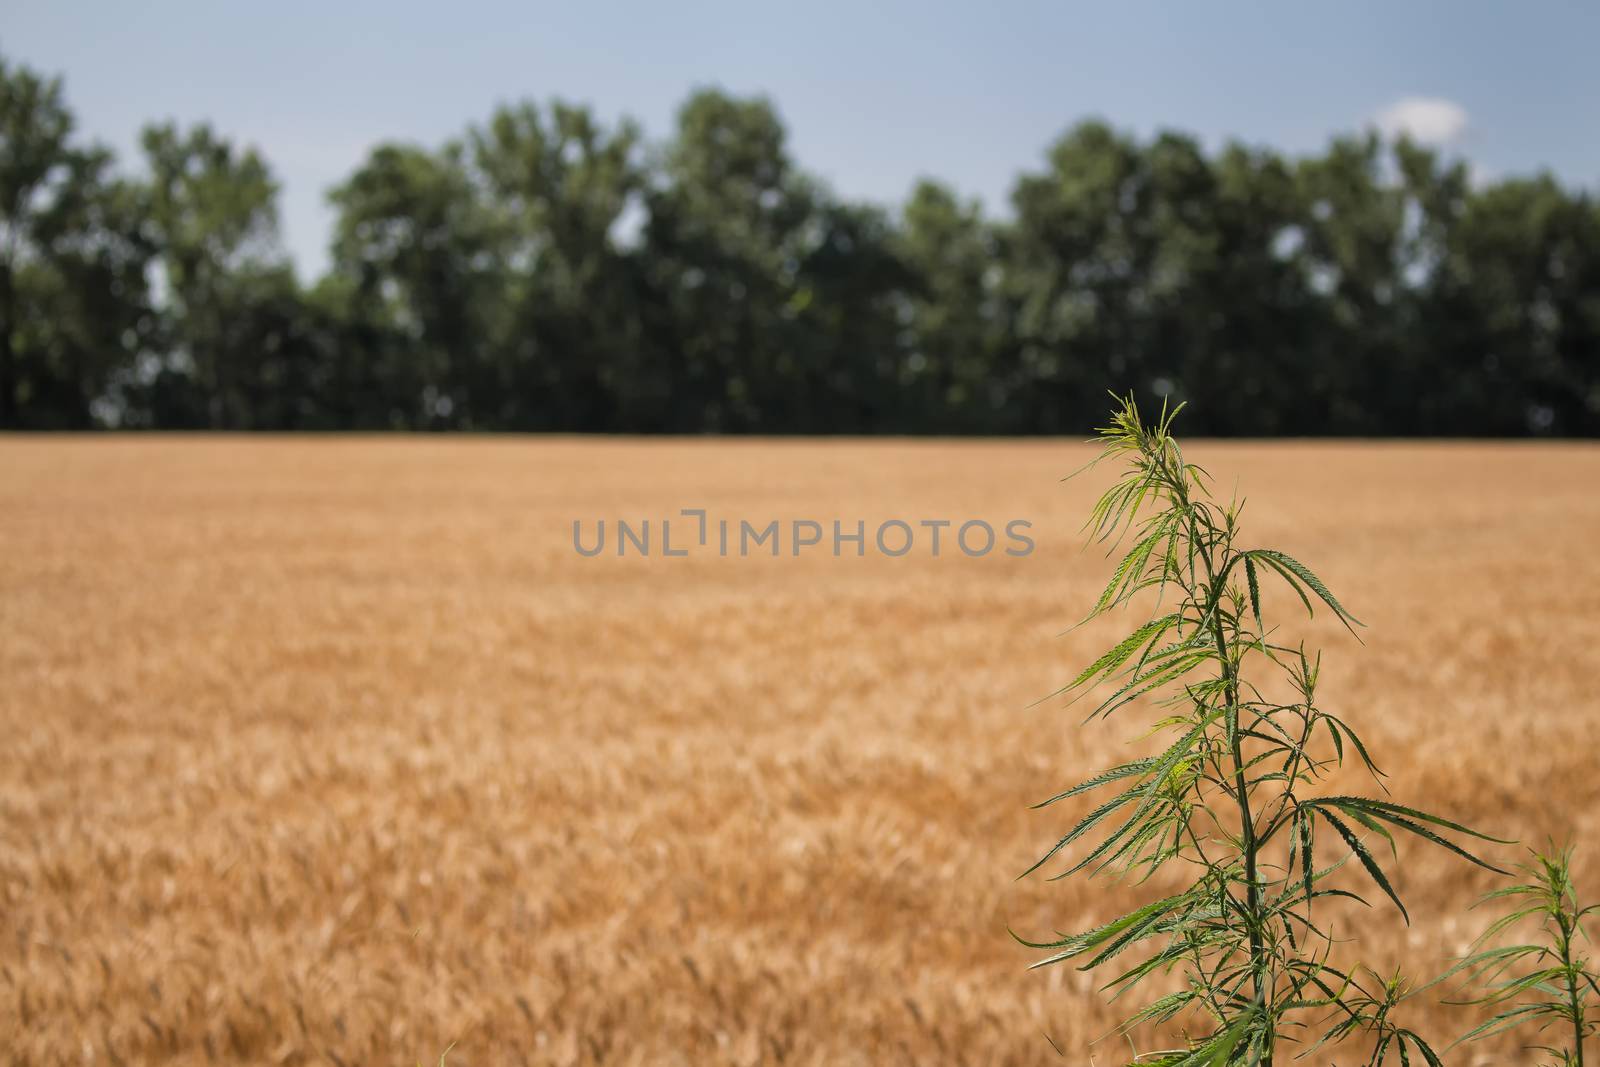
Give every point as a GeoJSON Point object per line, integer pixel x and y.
{"type": "Point", "coordinates": [336, 750]}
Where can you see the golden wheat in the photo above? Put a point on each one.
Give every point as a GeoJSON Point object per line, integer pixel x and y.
{"type": "Point", "coordinates": [334, 750]}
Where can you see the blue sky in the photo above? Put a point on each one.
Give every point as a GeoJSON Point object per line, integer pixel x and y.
{"type": "Point", "coordinates": [875, 94]}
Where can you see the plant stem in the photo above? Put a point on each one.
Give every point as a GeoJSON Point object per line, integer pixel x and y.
{"type": "Point", "coordinates": [1246, 820]}
{"type": "Point", "coordinates": [1258, 964]}
{"type": "Point", "coordinates": [1575, 1009]}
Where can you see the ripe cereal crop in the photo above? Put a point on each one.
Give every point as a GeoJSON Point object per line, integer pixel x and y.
{"type": "Point", "coordinates": [335, 750]}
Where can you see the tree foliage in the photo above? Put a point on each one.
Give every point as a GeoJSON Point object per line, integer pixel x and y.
{"type": "Point", "coordinates": [546, 270]}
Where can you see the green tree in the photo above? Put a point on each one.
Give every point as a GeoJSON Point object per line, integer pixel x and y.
{"type": "Point", "coordinates": [551, 271]}
{"type": "Point", "coordinates": [1514, 320]}
{"type": "Point", "coordinates": [1079, 261]}
{"type": "Point", "coordinates": [33, 145]}
{"type": "Point", "coordinates": [728, 221]}
{"type": "Point", "coordinates": [212, 216]}
{"type": "Point", "coordinates": [956, 314]}
{"type": "Point", "coordinates": [572, 351]}
{"type": "Point", "coordinates": [420, 260]}
{"type": "Point", "coordinates": [72, 293]}
{"type": "Point", "coordinates": [1226, 229]}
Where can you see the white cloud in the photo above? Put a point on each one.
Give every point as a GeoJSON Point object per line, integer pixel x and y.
{"type": "Point", "coordinates": [1425, 119]}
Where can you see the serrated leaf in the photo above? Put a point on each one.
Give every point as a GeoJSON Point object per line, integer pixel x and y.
{"type": "Point", "coordinates": [1255, 589]}
{"type": "Point", "coordinates": [1126, 770]}
{"type": "Point", "coordinates": [1301, 571]}
{"type": "Point", "coordinates": [1119, 653]}
{"type": "Point", "coordinates": [1362, 854]}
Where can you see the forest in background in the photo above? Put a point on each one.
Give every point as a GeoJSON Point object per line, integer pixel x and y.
{"type": "Point", "coordinates": [547, 271]}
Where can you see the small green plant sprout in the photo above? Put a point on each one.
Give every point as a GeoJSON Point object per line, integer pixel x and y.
{"type": "Point", "coordinates": [1547, 984]}
{"type": "Point", "coordinates": [1234, 803]}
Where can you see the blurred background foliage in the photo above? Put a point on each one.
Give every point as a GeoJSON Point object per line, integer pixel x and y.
{"type": "Point", "coordinates": [548, 272]}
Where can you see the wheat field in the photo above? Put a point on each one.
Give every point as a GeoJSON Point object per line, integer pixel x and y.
{"type": "Point", "coordinates": [336, 751]}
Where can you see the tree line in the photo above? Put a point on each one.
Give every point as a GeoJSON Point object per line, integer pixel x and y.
{"type": "Point", "coordinates": [546, 271]}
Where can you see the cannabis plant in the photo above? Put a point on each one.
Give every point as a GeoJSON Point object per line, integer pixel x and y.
{"type": "Point", "coordinates": [1233, 801]}
{"type": "Point", "coordinates": [1546, 984]}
